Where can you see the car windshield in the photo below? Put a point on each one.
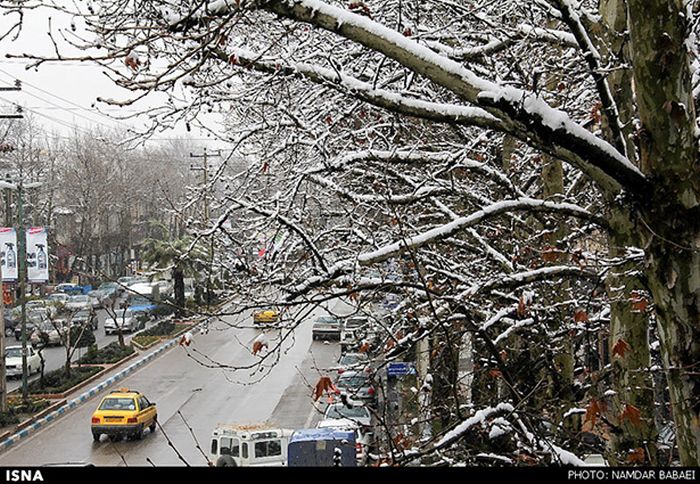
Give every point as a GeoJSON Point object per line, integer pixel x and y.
{"type": "Point", "coordinates": [114, 403]}
{"type": "Point", "coordinates": [107, 285]}
{"type": "Point", "coordinates": [353, 381]}
{"type": "Point", "coordinates": [354, 323]}
{"type": "Point", "coordinates": [79, 299]}
{"type": "Point", "coordinates": [46, 326]}
{"type": "Point", "coordinates": [139, 301]}
{"type": "Point", "coordinates": [351, 359]}
{"type": "Point", "coordinates": [13, 353]}
{"type": "Point", "coordinates": [326, 320]}
{"type": "Point", "coordinates": [57, 297]}
{"type": "Point", "coordinates": [36, 303]}
{"type": "Point", "coordinates": [341, 411]}
{"type": "Point", "coordinates": [83, 313]}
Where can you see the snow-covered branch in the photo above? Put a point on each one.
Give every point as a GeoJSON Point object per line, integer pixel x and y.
{"type": "Point", "coordinates": [439, 233]}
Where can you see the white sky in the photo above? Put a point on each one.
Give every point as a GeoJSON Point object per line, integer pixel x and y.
{"type": "Point", "coordinates": [61, 95]}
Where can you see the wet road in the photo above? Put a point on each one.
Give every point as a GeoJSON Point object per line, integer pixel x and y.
{"type": "Point", "coordinates": [192, 399]}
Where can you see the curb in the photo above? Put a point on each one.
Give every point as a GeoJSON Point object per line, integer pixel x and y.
{"type": "Point", "coordinates": [71, 404]}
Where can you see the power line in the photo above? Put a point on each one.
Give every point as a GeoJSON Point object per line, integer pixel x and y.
{"type": "Point", "coordinates": [67, 101]}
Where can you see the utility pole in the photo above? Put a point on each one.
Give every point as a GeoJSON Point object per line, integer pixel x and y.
{"type": "Point", "coordinates": [22, 267]}
{"type": "Point", "coordinates": [205, 169]}
{"type": "Point", "coordinates": [3, 371]}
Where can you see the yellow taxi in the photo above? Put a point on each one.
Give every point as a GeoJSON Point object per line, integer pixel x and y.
{"type": "Point", "coordinates": [266, 316]}
{"type": "Point", "coordinates": [123, 413]}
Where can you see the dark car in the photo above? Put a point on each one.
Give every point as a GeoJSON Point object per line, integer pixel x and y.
{"type": "Point", "coordinates": [34, 320]}
{"type": "Point", "coordinates": [357, 386]}
{"type": "Point", "coordinates": [85, 316]}
{"type": "Point", "coordinates": [326, 327]}
{"type": "Point", "coordinates": [353, 362]}
{"type": "Point", "coordinates": [10, 324]}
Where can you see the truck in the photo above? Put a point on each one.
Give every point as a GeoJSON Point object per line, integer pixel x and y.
{"type": "Point", "coordinates": [257, 445]}
{"type": "Point", "coordinates": [322, 447]}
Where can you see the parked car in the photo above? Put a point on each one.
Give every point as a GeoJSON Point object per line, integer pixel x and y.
{"type": "Point", "coordinates": [58, 299]}
{"type": "Point", "coordinates": [68, 288]}
{"type": "Point", "coordinates": [13, 361]}
{"type": "Point", "coordinates": [140, 304]}
{"type": "Point", "coordinates": [110, 289]}
{"type": "Point", "coordinates": [127, 320]}
{"type": "Point", "coordinates": [100, 299]}
{"type": "Point", "coordinates": [42, 305]}
{"type": "Point", "coordinates": [10, 323]}
{"type": "Point", "coordinates": [82, 301]}
{"type": "Point", "coordinates": [85, 316]}
{"type": "Point", "coordinates": [357, 386]}
{"type": "Point", "coordinates": [352, 332]}
{"type": "Point", "coordinates": [123, 413]}
{"type": "Point", "coordinates": [357, 412]}
{"type": "Point", "coordinates": [34, 319]}
{"type": "Point", "coordinates": [326, 327]}
{"type": "Point", "coordinates": [352, 362]}
{"type": "Point", "coordinates": [48, 332]}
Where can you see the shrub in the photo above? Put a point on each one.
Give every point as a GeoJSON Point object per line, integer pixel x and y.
{"type": "Point", "coordinates": [164, 328]}
{"type": "Point", "coordinates": [145, 341]}
{"type": "Point", "coordinates": [16, 408]}
{"type": "Point", "coordinates": [57, 382]}
{"type": "Point", "coordinates": [111, 353]}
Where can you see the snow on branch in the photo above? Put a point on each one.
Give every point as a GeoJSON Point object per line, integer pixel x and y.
{"type": "Point", "coordinates": [462, 223]}
{"type": "Point", "coordinates": [530, 116]}
{"type": "Point", "coordinates": [593, 59]}
{"type": "Point", "coordinates": [519, 279]}
{"type": "Point", "coordinates": [440, 112]}
{"type": "Point", "coordinates": [520, 113]}
{"type": "Point", "coordinates": [477, 419]}
{"type": "Point", "coordinates": [420, 157]}
{"type": "Point", "coordinates": [419, 194]}
{"type": "Point", "coordinates": [496, 45]}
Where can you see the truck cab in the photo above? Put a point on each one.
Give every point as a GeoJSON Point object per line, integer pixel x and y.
{"type": "Point", "coordinates": [249, 446]}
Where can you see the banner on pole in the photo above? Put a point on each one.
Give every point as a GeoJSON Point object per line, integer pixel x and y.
{"type": "Point", "coordinates": [37, 255]}
{"type": "Point", "coordinates": [8, 254]}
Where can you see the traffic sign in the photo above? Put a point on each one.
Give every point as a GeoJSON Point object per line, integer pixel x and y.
{"type": "Point", "coordinates": [400, 368]}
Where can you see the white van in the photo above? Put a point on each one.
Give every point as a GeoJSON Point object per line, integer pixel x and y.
{"type": "Point", "coordinates": [249, 446]}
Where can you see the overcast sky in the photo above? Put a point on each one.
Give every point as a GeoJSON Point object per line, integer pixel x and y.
{"type": "Point", "coordinates": [62, 95]}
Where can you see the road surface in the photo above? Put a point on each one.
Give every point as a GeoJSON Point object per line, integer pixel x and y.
{"type": "Point", "coordinates": [204, 397]}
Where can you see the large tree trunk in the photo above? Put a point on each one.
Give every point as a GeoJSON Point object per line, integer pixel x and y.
{"type": "Point", "coordinates": [179, 290]}
{"type": "Point", "coordinates": [670, 218]}
{"type": "Point", "coordinates": [629, 321]}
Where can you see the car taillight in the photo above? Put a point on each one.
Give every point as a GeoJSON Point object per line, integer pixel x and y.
{"type": "Point", "coordinates": [370, 391]}
{"type": "Point", "coordinates": [358, 448]}
{"type": "Point", "coordinates": [341, 371]}
{"type": "Point", "coordinates": [95, 419]}
{"type": "Point", "coordinates": [132, 420]}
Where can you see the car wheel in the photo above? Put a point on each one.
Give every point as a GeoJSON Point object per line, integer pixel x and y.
{"type": "Point", "coordinates": [96, 436]}
{"type": "Point", "coordinates": [9, 332]}
{"type": "Point", "coordinates": [138, 435]}
{"type": "Point", "coordinates": [153, 426]}
{"type": "Point", "coordinates": [115, 437]}
{"type": "Point", "coordinates": [225, 461]}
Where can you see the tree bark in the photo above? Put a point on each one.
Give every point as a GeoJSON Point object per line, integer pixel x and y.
{"type": "Point", "coordinates": [670, 220]}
